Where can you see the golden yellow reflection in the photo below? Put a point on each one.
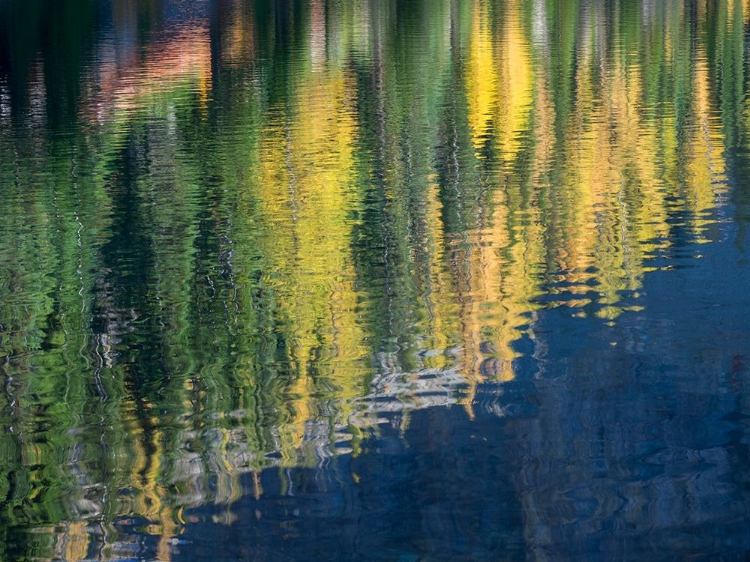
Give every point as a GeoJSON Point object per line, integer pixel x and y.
{"type": "Point", "coordinates": [305, 184]}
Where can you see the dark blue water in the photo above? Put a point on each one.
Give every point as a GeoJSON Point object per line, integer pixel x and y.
{"type": "Point", "coordinates": [626, 442]}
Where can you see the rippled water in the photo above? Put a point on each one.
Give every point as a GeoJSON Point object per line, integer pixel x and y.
{"type": "Point", "coordinates": [397, 280]}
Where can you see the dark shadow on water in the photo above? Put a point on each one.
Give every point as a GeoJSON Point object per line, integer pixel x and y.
{"type": "Point", "coordinates": [619, 443]}
{"type": "Point", "coordinates": [441, 489]}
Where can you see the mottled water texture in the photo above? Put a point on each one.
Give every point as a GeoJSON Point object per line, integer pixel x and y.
{"type": "Point", "coordinates": [398, 280]}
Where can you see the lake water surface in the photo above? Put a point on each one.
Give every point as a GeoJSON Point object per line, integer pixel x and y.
{"type": "Point", "coordinates": [398, 280]}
